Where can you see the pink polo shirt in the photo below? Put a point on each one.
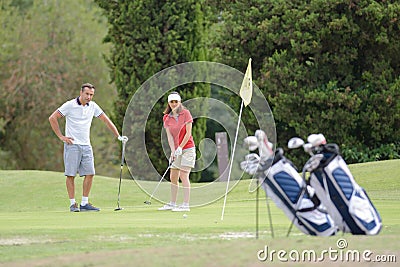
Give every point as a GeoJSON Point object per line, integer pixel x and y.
{"type": "Point", "coordinates": [177, 127]}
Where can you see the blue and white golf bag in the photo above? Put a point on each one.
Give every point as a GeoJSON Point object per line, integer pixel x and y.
{"type": "Point", "coordinates": [346, 201]}
{"type": "Point", "coordinates": [289, 191]}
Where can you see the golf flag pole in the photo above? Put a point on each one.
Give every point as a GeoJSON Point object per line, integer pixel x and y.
{"type": "Point", "coordinates": [246, 92]}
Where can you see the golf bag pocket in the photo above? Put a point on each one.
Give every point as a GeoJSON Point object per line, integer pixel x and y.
{"type": "Point", "coordinates": [346, 201]}
{"type": "Point", "coordinates": [288, 190]}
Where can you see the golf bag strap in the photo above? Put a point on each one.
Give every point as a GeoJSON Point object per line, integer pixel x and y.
{"type": "Point", "coordinates": [315, 200]}
{"type": "Point", "coordinates": [279, 156]}
{"type": "Point", "coordinates": [330, 152]}
{"type": "Point", "coordinates": [264, 165]}
{"type": "Point", "coordinates": [307, 209]}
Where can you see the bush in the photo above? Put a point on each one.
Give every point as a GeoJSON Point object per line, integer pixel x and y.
{"type": "Point", "coordinates": [365, 154]}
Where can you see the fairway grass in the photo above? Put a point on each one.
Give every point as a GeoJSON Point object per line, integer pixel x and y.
{"type": "Point", "coordinates": [37, 229]}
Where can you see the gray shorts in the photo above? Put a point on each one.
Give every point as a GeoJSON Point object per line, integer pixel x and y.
{"type": "Point", "coordinates": [186, 161]}
{"type": "Point", "coordinates": [78, 159]}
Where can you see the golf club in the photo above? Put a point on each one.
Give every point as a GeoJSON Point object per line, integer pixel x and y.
{"type": "Point", "coordinates": [300, 196]}
{"type": "Point", "coordinates": [296, 142]}
{"type": "Point", "coordinates": [148, 202]}
{"type": "Point", "coordinates": [270, 218]}
{"type": "Point", "coordinates": [120, 174]}
{"type": "Point", "coordinates": [311, 164]}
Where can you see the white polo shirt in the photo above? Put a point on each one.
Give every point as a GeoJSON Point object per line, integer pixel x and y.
{"type": "Point", "coordinates": [79, 119]}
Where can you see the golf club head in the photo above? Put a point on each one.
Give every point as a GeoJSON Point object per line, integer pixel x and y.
{"type": "Point", "coordinates": [295, 142]}
{"type": "Point", "coordinates": [251, 163]}
{"type": "Point", "coordinates": [147, 202]}
{"type": "Point", "coordinates": [316, 139]}
{"type": "Point", "coordinates": [251, 142]}
{"type": "Point", "coordinates": [264, 146]}
{"type": "Point", "coordinates": [308, 148]}
{"type": "Point", "coordinates": [118, 209]}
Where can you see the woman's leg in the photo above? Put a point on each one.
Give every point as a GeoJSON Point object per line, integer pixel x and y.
{"type": "Point", "coordinates": [184, 175]}
{"type": "Point", "coordinates": [174, 177]}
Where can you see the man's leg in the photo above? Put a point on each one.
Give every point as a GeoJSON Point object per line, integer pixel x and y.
{"type": "Point", "coordinates": [86, 169]}
{"type": "Point", "coordinates": [71, 162]}
{"type": "Point", "coordinates": [70, 183]}
{"type": "Point", "coordinates": [87, 185]}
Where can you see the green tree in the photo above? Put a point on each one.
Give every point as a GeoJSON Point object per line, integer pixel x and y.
{"type": "Point", "coordinates": [49, 52]}
{"type": "Point", "coordinates": [147, 37]}
{"type": "Point", "coordinates": [9, 21]}
{"type": "Point", "coordinates": [325, 66]}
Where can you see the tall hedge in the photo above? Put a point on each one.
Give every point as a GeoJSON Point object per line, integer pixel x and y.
{"type": "Point", "coordinates": [326, 66]}
{"type": "Point", "coordinates": [147, 37]}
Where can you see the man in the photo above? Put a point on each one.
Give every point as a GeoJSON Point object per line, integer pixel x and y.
{"type": "Point", "coordinates": [78, 153]}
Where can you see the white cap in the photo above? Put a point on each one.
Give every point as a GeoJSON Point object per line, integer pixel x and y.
{"type": "Point", "coordinates": [174, 96]}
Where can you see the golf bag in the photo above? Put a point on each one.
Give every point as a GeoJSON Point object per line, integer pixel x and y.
{"type": "Point", "coordinates": [289, 191]}
{"type": "Point", "coordinates": [346, 201]}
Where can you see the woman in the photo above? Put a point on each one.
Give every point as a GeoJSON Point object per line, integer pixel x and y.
{"type": "Point", "coordinates": [178, 125]}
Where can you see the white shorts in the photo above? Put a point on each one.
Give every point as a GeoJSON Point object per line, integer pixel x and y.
{"type": "Point", "coordinates": [185, 161]}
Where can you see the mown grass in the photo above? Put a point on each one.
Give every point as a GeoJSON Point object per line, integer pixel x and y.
{"type": "Point", "coordinates": [36, 228]}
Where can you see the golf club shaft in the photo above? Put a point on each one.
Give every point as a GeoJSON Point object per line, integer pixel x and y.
{"type": "Point", "coordinates": [119, 187]}
{"type": "Point", "coordinates": [270, 217]}
{"type": "Point", "coordinates": [120, 172]}
{"type": "Point", "coordinates": [302, 192]}
{"type": "Point", "coordinates": [159, 182]}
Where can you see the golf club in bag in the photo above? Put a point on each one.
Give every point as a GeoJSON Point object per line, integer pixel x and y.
{"type": "Point", "coordinates": [346, 201]}
{"type": "Point", "coordinates": [120, 173]}
{"type": "Point", "coordinates": [289, 191]}
{"type": "Point", "coordinates": [148, 202]}
{"type": "Point", "coordinates": [265, 156]}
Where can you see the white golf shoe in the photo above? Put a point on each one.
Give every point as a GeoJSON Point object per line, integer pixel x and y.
{"type": "Point", "coordinates": [167, 207]}
{"type": "Point", "coordinates": [181, 208]}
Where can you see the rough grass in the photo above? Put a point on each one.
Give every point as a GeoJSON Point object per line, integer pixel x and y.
{"type": "Point", "coordinates": [36, 228]}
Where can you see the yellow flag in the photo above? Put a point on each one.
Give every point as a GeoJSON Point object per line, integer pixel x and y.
{"type": "Point", "coordinates": [246, 91]}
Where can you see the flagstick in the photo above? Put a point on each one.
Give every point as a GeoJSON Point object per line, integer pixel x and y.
{"type": "Point", "coordinates": [245, 93]}
{"type": "Point", "coordinates": [233, 154]}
